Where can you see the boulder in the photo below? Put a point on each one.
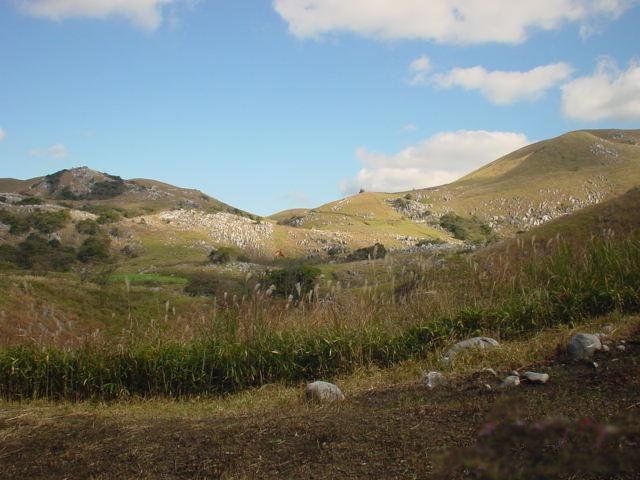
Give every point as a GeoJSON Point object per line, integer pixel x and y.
{"type": "Point", "coordinates": [323, 392]}
{"type": "Point", "coordinates": [582, 346]}
{"type": "Point", "coordinates": [533, 377]}
{"type": "Point", "coordinates": [433, 379]}
{"type": "Point", "coordinates": [475, 342]}
{"type": "Point", "coordinates": [511, 381]}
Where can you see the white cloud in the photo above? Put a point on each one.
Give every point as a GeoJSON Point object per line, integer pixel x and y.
{"type": "Point", "coordinates": [505, 87]}
{"type": "Point", "coordinates": [420, 69]}
{"type": "Point", "coordinates": [439, 159]}
{"type": "Point", "coordinates": [57, 151]}
{"type": "Point", "coordinates": [410, 128]}
{"type": "Point", "coordinates": [147, 14]}
{"type": "Point", "coordinates": [610, 93]}
{"type": "Point", "coordinates": [444, 21]}
{"type": "Point", "coordinates": [3, 134]}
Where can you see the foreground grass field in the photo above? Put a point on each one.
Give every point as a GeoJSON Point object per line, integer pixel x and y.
{"type": "Point", "coordinates": [584, 424]}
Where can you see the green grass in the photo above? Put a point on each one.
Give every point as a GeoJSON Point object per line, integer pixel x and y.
{"type": "Point", "coordinates": [561, 290]}
{"type": "Point", "coordinates": [147, 279]}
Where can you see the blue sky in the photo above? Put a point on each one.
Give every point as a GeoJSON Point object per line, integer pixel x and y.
{"type": "Point", "coordinates": [270, 105]}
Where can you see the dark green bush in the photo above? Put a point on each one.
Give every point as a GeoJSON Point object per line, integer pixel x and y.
{"type": "Point", "coordinates": [94, 249]}
{"type": "Point", "coordinates": [30, 201]}
{"type": "Point", "coordinates": [294, 280]}
{"type": "Point", "coordinates": [87, 227]}
{"type": "Point", "coordinates": [49, 222]}
{"type": "Point", "coordinates": [38, 253]}
{"type": "Point", "coordinates": [110, 216]}
{"type": "Point", "coordinates": [107, 189]}
{"type": "Point", "coordinates": [468, 229]}
{"type": "Point", "coordinates": [222, 255]}
{"type": "Point", "coordinates": [368, 253]}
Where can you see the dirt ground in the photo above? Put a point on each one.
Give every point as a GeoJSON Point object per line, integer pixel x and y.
{"type": "Point", "coordinates": [398, 432]}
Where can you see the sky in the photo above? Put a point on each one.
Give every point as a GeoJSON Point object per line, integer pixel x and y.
{"type": "Point", "coordinates": [269, 105]}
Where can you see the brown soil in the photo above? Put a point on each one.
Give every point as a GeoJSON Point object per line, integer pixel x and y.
{"type": "Point", "coordinates": [400, 432]}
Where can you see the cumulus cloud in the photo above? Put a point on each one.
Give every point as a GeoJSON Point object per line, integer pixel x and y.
{"type": "Point", "coordinates": [440, 159]}
{"type": "Point", "coordinates": [419, 70]}
{"type": "Point", "coordinates": [57, 151]}
{"type": "Point", "coordinates": [444, 21]}
{"type": "Point", "coordinates": [3, 134]}
{"type": "Point", "coordinates": [147, 14]}
{"type": "Point", "coordinates": [609, 93]}
{"type": "Point", "coordinates": [505, 87]}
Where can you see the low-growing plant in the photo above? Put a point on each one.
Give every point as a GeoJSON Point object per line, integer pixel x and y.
{"type": "Point", "coordinates": [94, 249]}
{"type": "Point", "coordinates": [223, 255]}
{"type": "Point", "coordinates": [87, 227]}
{"type": "Point", "coordinates": [368, 253]}
{"type": "Point", "coordinates": [294, 280]}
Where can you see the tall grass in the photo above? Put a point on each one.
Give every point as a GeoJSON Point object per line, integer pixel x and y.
{"type": "Point", "coordinates": [330, 338]}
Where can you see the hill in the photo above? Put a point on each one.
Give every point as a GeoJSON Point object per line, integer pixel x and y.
{"type": "Point", "coordinates": [81, 186]}
{"type": "Point", "coordinates": [519, 191]}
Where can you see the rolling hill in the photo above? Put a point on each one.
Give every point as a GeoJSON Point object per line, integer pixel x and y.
{"type": "Point", "coordinates": [521, 190]}
{"type": "Point", "coordinates": [81, 186]}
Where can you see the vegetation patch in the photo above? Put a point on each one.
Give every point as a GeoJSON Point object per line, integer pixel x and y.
{"type": "Point", "coordinates": [468, 229]}
{"type": "Point", "coordinates": [368, 253]}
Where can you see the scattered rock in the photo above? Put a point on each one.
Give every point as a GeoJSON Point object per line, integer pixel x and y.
{"type": "Point", "coordinates": [534, 377]}
{"type": "Point", "coordinates": [475, 342]}
{"type": "Point", "coordinates": [489, 371]}
{"type": "Point", "coordinates": [621, 348]}
{"type": "Point", "coordinates": [511, 381]}
{"type": "Point", "coordinates": [323, 392]}
{"type": "Point", "coordinates": [433, 379]}
{"type": "Point", "coordinates": [582, 346]}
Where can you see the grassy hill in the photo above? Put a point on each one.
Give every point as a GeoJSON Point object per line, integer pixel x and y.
{"type": "Point", "coordinates": [82, 186]}
{"type": "Point", "coordinates": [521, 190]}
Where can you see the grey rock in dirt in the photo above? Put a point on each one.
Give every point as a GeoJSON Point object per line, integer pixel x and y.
{"type": "Point", "coordinates": [475, 342]}
{"type": "Point", "coordinates": [534, 377]}
{"type": "Point", "coordinates": [433, 379]}
{"type": "Point", "coordinates": [582, 346]}
{"type": "Point", "coordinates": [511, 381]}
{"type": "Point", "coordinates": [323, 392]}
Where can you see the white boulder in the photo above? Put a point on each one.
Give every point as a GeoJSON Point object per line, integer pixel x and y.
{"type": "Point", "coordinates": [433, 379]}
{"type": "Point", "coordinates": [534, 377]}
{"type": "Point", "coordinates": [511, 381]}
{"type": "Point", "coordinates": [475, 342]}
{"type": "Point", "coordinates": [582, 346]}
{"type": "Point", "coordinates": [323, 392]}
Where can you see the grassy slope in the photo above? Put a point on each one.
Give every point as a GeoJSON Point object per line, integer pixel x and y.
{"type": "Point", "coordinates": [555, 176]}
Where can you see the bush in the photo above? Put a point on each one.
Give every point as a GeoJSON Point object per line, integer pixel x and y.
{"type": "Point", "coordinates": [368, 253]}
{"type": "Point", "coordinates": [36, 252]}
{"type": "Point", "coordinates": [49, 222]}
{"type": "Point", "coordinates": [30, 201]}
{"type": "Point", "coordinates": [295, 280]}
{"type": "Point", "coordinates": [467, 229]}
{"type": "Point", "coordinates": [110, 216]}
{"type": "Point", "coordinates": [94, 249]}
{"type": "Point", "coordinates": [222, 255]}
{"type": "Point", "coordinates": [87, 227]}
{"type": "Point", "coordinates": [43, 221]}
{"type": "Point", "coordinates": [107, 189]}
{"type": "Point", "coordinates": [202, 284]}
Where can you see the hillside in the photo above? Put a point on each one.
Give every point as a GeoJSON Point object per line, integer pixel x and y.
{"type": "Point", "coordinates": [521, 190]}
{"type": "Point", "coordinates": [81, 186]}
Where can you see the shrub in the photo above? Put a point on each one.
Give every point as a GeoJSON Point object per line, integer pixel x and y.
{"type": "Point", "coordinates": [110, 216]}
{"type": "Point", "coordinates": [222, 255]}
{"type": "Point", "coordinates": [30, 201]}
{"type": "Point", "coordinates": [87, 227]}
{"type": "Point", "coordinates": [107, 189]}
{"type": "Point", "coordinates": [49, 222]}
{"type": "Point", "coordinates": [467, 229]}
{"type": "Point", "coordinates": [368, 253]}
{"type": "Point", "coordinates": [94, 249]}
{"type": "Point", "coordinates": [294, 280]}
{"type": "Point", "coordinates": [202, 284]}
{"type": "Point", "coordinates": [36, 252]}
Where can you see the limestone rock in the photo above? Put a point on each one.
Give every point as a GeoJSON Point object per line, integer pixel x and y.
{"type": "Point", "coordinates": [582, 346]}
{"type": "Point", "coordinates": [323, 392]}
{"type": "Point", "coordinates": [475, 342]}
{"type": "Point", "coordinates": [433, 379]}
{"type": "Point", "coordinates": [511, 381]}
{"type": "Point", "coordinates": [534, 377]}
